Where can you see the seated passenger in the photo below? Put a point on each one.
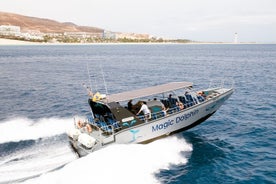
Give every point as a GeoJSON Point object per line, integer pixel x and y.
{"type": "Point", "coordinates": [180, 105]}
{"type": "Point", "coordinates": [172, 101]}
{"type": "Point", "coordinates": [129, 105]}
{"type": "Point", "coordinates": [201, 93]}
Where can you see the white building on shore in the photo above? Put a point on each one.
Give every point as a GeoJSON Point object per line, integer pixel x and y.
{"type": "Point", "coordinates": [10, 30]}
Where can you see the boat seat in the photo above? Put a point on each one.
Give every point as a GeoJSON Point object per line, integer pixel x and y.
{"type": "Point", "coordinates": [189, 97]}
{"type": "Point", "coordinates": [104, 126]}
{"type": "Point", "coordinates": [182, 99]}
{"type": "Point", "coordinates": [185, 102]}
{"type": "Point", "coordinates": [113, 123]}
{"type": "Point", "coordinates": [141, 117]}
{"type": "Point", "coordinates": [190, 100]}
{"type": "Point", "coordinates": [200, 98]}
{"type": "Point", "coordinates": [154, 115]}
{"type": "Point", "coordinates": [90, 119]}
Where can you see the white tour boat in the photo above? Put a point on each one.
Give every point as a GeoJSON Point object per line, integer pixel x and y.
{"type": "Point", "coordinates": [174, 107]}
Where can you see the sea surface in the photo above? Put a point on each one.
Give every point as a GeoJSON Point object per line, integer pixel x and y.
{"type": "Point", "coordinates": [41, 90]}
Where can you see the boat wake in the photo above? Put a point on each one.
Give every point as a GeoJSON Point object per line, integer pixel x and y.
{"type": "Point", "coordinates": [47, 157]}
{"type": "Point", "coordinates": [20, 129]}
{"type": "Point", "coordinates": [29, 148]}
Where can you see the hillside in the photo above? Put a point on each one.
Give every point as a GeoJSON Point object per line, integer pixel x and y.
{"type": "Point", "coordinates": [43, 25]}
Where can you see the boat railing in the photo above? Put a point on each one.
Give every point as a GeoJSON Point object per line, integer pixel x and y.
{"type": "Point", "coordinates": [222, 83]}
{"type": "Point", "coordinates": [169, 111]}
{"type": "Point", "coordinates": [107, 128]}
{"type": "Point", "coordinates": [159, 114]}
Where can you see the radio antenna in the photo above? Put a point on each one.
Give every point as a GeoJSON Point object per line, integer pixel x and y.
{"type": "Point", "coordinates": [89, 89]}
{"type": "Point", "coordinates": [104, 80]}
{"type": "Point", "coordinates": [89, 76]}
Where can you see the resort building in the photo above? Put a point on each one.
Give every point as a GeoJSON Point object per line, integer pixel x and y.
{"type": "Point", "coordinates": [9, 30]}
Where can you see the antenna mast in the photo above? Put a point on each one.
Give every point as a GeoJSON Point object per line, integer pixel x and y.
{"type": "Point", "coordinates": [89, 90]}
{"type": "Point", "coordinates": [89, 77]}
{"type": "Point", "coordinates": [104, 80]}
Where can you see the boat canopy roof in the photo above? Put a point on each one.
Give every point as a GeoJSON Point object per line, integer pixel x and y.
{"type": "Point", "coordinates": [149, 91]}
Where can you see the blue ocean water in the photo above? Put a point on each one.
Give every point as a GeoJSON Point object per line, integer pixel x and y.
{"type": "Point", "coordinates": [41, 90]}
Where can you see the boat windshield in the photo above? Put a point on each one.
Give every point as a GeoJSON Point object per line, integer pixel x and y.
{"type": "Point", "coordinates": [100, 110]}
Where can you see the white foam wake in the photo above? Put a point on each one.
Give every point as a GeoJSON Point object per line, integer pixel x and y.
{"type": "Point", "coordinates": [38, 158]}
{"type": "Point", "coordinates": [18, 129]}
{"type": "Point", "coordinates": [132, 163]}
{"type": "Point", "coordinates": [34, 161]}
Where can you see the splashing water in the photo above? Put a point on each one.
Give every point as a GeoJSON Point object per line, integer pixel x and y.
{"type": "Point", "coordinates": [19, 129]}
{"type": "Point", "coordinates": [132, 163]}
{"type": "Point", "coordinates": [43, 161]}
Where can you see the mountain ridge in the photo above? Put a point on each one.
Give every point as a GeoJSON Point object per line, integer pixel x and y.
{"type": "Point", "coordinates": [43, 25]}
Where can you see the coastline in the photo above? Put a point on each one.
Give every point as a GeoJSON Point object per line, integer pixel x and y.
{"type": "Point", "coordinates": [7, 42]}
{"type": "Point", "coordinates": [4, 42]}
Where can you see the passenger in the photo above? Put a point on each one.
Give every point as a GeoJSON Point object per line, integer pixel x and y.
{"type": "Point", "coordinates": [172, 101]}
{"type": "Point", "coordinates": [129, 105]}
{"type": "Point", "coordinates": [145, 110]}
{"type": "Point", "coordinates": [164, 110]}
{"type": "Point", "coordinates": [81, 124]}
{"type": "Point", "coordinates": [201, 93]}
{"type": "Point", "coordinates": [170, 98]}
{"type": "Point", "coordinates": [180, 105]}
{"type": "Point", "coordinates": [201, 96]}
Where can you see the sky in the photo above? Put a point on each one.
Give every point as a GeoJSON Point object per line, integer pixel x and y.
{"type": "Point", "coordinates": [198, 20]}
